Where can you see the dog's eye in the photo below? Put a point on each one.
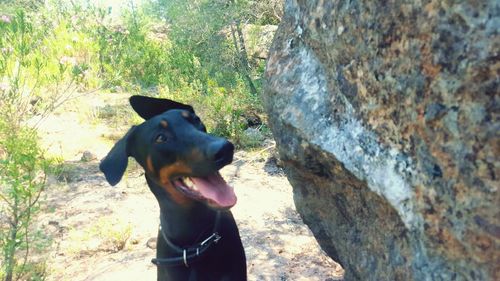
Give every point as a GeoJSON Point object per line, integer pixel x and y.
{"type": "Point", "coordinates": [160, 138]}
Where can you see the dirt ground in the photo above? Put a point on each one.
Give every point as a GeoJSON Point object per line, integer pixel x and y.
{"type": "Point", "coordinates": [101, 232]}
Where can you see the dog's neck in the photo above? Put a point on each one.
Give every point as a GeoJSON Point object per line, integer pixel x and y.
{"type": "Point", "coordinates": [183, 225]}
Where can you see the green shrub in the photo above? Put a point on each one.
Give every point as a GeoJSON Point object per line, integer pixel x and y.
{"type": "Point", "coordinates": [126, 55]}
{"type": "Point", "coordinates": [207, 65]}
{"type": "Point", "coordinates": [25, 67]}
{"type": "Point", "coordinates": [23, 171]}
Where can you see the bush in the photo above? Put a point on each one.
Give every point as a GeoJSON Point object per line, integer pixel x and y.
{"type": "Point", "coordinates": [24, 68]}
{"type": "Point", "coordinates": [126, 55]}
{"type": "Point", "coordinates": [23, 171]}
{"type": "Point", "coordinates": [208, 65]}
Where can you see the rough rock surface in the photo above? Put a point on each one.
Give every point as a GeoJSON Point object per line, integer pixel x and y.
{"type": "Point", "coordinates": [386, 116]}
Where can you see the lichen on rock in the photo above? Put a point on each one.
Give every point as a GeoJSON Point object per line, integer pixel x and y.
{"type": "Point", "coordinates": [386, 119]}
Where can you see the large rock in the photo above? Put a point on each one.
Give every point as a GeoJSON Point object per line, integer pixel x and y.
{"type": "Point", "coordinates": [386, 116]}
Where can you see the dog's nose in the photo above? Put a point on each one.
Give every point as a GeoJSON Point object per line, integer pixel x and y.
{"type": "Point", "coordinates": [221, 152]}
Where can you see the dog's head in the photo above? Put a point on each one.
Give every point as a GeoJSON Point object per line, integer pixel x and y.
{"type": "Point", "coordinates": [176, 152]}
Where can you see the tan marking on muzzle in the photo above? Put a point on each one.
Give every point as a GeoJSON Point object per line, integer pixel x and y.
{"type": "Point", "coordinates": [166, 173]}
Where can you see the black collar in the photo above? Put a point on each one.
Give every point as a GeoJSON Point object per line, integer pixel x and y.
{"type": "Point", "coordinates": [191, 254]}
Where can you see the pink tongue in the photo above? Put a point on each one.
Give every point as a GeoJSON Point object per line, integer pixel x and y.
{"type": "Point", "coordinates": [214, 187]}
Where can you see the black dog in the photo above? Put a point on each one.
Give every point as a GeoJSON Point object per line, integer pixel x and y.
{"type": "Point", "coordinates": [198, 237]}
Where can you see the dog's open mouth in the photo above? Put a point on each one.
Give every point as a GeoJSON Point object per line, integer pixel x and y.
{"type": "Point", "coordinates": [213, 189]}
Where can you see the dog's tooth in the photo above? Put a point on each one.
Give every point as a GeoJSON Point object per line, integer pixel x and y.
{"type": "Point", "coordinates": [192, 185]}
{"type": "Point", "coordinates": [189, 183]}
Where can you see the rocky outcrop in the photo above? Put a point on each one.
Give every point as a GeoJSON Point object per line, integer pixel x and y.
{"type": "Point", "coordinates": [386, 116]}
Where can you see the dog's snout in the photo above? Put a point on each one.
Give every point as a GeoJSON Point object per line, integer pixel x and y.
{"type": "Point", "coordinates": [221, 152]}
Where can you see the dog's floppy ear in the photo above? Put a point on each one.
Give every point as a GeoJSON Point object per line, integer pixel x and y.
{"type": "Point", "coordinates": [148, 107]}
{"type": "Point", "coordinates": [114, 164]}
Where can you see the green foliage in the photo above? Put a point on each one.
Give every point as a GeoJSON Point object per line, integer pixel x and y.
{"type": "Point", "coordinates": [24, 69]}
{"type": "Point", "coordinates": [222, 110]}
{"type": "Point", "coordinates": [208, 65]}
{"type": "Point", "coordinates": [10, 6]}
{"type": "Point", "coordinates": [23, 171]}
{"type": "Point", "coordinates": [125, 54]}
{"type": "Point", "coordinates": [190, 51]}
{"type": "Point", "coordinates": [39, 65]}
{"type": "Point", "coordinates": [202, 30]}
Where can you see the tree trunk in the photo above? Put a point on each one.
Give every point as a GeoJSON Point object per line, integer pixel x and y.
{"type": "Point", "coordinates": [241, 52]}
{"type": "Point", "coordinates": [11, 249]}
